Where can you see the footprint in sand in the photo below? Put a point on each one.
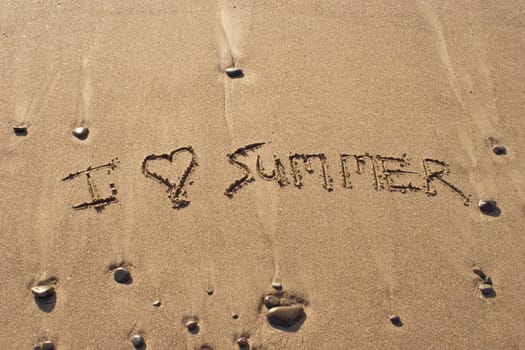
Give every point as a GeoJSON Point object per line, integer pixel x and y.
{"type": "Point", "coordinates": [284, 310]}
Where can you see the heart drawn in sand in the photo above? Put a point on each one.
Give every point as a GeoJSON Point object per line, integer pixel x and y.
{"type": "Point", "coordinates": [177, 192]}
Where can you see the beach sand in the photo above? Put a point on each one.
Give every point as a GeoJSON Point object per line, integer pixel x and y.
{"type": "Point", "coordinates": [209, 189]}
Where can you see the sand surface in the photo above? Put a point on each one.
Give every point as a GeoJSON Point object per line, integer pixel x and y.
{"type": "Point", "coordinates": [187, 199]}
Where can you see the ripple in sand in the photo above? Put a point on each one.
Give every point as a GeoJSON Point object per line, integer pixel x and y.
{"type": "Point", "coordinates": [81, 133]}
{"type": "Point", "coordinates": [234, 72]}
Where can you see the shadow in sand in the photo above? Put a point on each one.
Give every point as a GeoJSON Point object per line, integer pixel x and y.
{"type": "Point", "coordinates": [46, 304]}
{"type": "Point", "coordinates": [127, 282]}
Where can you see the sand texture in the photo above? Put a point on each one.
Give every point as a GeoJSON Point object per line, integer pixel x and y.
{"type": "Point", "coordinates": [344, 165]}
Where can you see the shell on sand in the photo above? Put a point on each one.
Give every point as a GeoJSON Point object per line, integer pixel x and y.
{"type": "Point", "coordinates": [44, 291]}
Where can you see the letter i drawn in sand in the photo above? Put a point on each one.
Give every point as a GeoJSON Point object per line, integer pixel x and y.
{"type": "Point", "coordinates": [97, 201]}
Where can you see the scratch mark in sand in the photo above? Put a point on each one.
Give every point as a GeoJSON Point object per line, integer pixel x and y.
{"type": "Point", "coordinates": [86, 89]}
{"type": "Point", "coordinates": [441, 46]}
{"type": "Point", "coordinates": [233, 28]}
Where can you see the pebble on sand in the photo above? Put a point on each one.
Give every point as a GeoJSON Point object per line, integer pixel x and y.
{"type": "Point", "coordinates": [122, 275]}
{"type": "Point", "coordinates": [192, 326]}
{"type": "Point", "coordinates": [242, 342]}
{"type": "Point", "coordinates": [234, 72]}
{"type": "Point", "coordinates": [20, 129]}
{"type": "Point", "coordinates": [44, 291]}
{"type": "Point", "coordinates": [285, 315]}
{"type": "Point", "coordinates": [156, 303]}
{"type": "Point", "coordinates": [81, 133]}
{"type": "Point", "coordinates": [48, 345]}
{"type": "Point", "coordinates": [277, 285]}
{"type": "Point", "coordinates": [271, 301]}
{"type": "Point", "coordinates": [478, 271]}
{"type": "Point", "coordinates": [137, 340]}
{"type": "Point", "coordinates": [487, 206]}
{"type": "Point", "coordinates": [486, 288]}
{"type": "Point", "coordinates": [499, 150]}
{"type": "Point", "coordinates": [396, 320]}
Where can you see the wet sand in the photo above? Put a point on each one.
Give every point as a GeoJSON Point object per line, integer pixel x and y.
{"type": "Point", "coordinates": [345, 164]}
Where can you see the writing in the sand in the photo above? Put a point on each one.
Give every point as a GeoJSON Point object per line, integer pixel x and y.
{"type": "Point", "coordinates": [387, 173]}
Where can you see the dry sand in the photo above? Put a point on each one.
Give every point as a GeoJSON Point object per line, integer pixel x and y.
{"type": "Point", "coordinates": [435, 80]}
